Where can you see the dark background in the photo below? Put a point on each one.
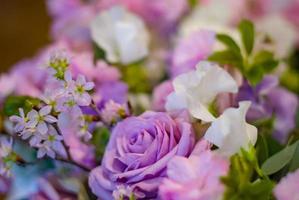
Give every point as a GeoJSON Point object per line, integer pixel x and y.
{"type": "Point", "coordinates": [24, 28]}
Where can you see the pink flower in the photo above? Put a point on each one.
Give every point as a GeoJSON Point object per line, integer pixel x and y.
{"type": "Point", "coordinates": [69, 124]}
{"type": "Point", "coordinates": [159, 95]}
{"type": "Point", "coordinates": [167, 12]}
{"type": "Point", "coordinates": [194, 178]}
{"type": "Point", "coordinates": [287, 188]}
{"type": "Point", "coordinates": [112, 112]}
{"type": "Point", "coordinates": [189, 51]}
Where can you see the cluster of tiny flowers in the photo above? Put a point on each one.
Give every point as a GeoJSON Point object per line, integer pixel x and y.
{"type": "Point", "coordinates": [7, 156]}
{"type": "Point", "coordinates": [113, 112]}
{"type": "Point", "coordinates": [62, 95]}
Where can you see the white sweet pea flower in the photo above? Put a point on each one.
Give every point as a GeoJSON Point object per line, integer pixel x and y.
{"type": "Point", "coordinates": [230, 131]}
{"type": "Point", "coordinates": [195, 90]}
{"type": "Point", "coordinates": [121, 34]}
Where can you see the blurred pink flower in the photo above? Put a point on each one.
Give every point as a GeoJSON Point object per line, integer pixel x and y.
{"type": "Point", "coordinates": [159, 95]}
{"type": "Point", "coordinates": [194, 178]}
{"type": "Point", "coordinates": [287, 188]}
{"type": "Point", "coordinates": [190, 50]}
{"type": "Point", "coordinates": [167, 12]}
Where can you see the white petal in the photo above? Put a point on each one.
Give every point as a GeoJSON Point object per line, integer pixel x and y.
{"type": "Point", "coordinates": [68, 76]}
{"type": "Point", "coordinates": [200, 111]}
{"type": "Point", "coordinates": [42, 128]}
{"type": "Point", "coordinates": [33, 114]}
{"type": "Point", "coordinates": [41, 152]}
{"type": "Point", "coordinates": [121, 34]}
{"type": "Point", "coordinates": [45, 110]}
{"type": "Point", "coordinates": [230, 131]}
{"type": "Point", "coordinates": [51, 153]}
{"type": "Point", "coordinates": [80, 80]}
{"type": "Point", "coordinates": [21, 111]}
{"type": "Point", "coordinates": [50, 119]}
{"type": "Point", "coordinates": [32, 123]}
{"type": "Point", "coordinates": [176, 101]}
{"type": "Point", "coordinates": [199, 88]}
{"type": "Point", "coordinates": [89, 86]}
{"type": "Point", "coordinates": [15, 118]}
{"type": "Point", "coordinates": [214, 80]}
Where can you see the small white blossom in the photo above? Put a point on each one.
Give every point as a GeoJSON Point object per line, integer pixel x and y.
{"type": "Point", "coordinates": [51, 144]}
{"type": "Point", "coordinates": [21, 121]}
{"type": "Point", "coordinates": [40, 119]}
{"type": "Point", "coordinates": [5, 153]}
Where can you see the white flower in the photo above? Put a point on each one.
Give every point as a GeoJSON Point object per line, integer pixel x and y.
{"type": "Point", "coordinates": [121, 34]}
{"type": "Point", "coordinates": [230, 131]}
{"type": "Point", "coordinates": [195, 90]}
{"type": "Point", "coordinates": [5, 146]}
{"type": "Point", "coordinates": [78, 89]}
{"type": "Point", "coordinates": [51, 144]}
{"type": "Point", "coordinates": [276, 34]}
{"type": "Point", "coordinates": [21, 121]}
{"type": "Point", "coordinates": [39, 119]}
{"type": "Point", "coordinates": [6, 149]}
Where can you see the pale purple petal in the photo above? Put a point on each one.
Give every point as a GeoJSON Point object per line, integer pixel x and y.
{"type": "Point", "coordinates": [45, 110]}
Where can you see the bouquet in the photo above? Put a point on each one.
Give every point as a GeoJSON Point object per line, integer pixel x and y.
{"type": "Point", "coordinates": [161, 99]}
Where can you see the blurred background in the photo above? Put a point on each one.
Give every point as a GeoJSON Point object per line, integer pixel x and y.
{"type": "Point", "coordinates": [30, 34]}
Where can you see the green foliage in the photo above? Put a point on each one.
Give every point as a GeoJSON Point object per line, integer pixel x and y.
{"type": "Point", "coordinates": [287, 157]}
{"type": "Point", "coordinates": [240, 182]}
{"type": "Point", "coordinates": [253, 67]}
{"type": "Point", "coordinates": [136, 76]}
{"type": "Point", "coordinates": [100, 140]}
{"type": "Point", "coordinates": [99, 53]}
{"type": "Point", "coordinates": [247, 31]}
{"type": "Point", "coordinates": [13, 103]}
{"type": "Point", "coordinates": [290, 79]}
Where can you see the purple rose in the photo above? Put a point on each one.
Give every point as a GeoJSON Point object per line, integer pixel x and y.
{"type": "Point", "coordinates": [137, 155]}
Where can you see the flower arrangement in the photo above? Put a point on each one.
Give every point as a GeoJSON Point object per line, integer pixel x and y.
{"type": "Point", "coordinates": [161, 99]}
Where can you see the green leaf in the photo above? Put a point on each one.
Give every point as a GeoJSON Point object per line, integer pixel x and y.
{"type": "Point", "coordinates": [136, 76]}
{"type": "Point", "coordinates": [255, 75]}
{"type": "Point", "coordinates": [229, 42]}
{"type": "Point", "coordinates": [294, 164]}
{"type": "Point", "coordinates": [99, 53]}
{"type": "Point", "coordinates": [262, 148]}
{"type": "Point", "coordinates": [239, 184]}
{"type": "Point", "coordinates": [227, 57]}
{"type": "Point", "coordinates": [100, 140]}
{"type": "Point", "coordinates": [279, 160]}
{"type": "Point", "coordinates": [82, 194]}
{"type": "Point", "coordinates": [13, 103]}
{"type": "Point", "coordinates": [247, 31]}
{"type": "Point", "coordinates": [265, 60]}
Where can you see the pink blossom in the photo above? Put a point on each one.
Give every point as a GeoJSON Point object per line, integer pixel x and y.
{"type": "Point", "coordinates": [159, 95]}
{"type": "Point", "coordinates": [167, 12]}
{"type": "Point", "coordinates": [287, 188]}
{"type": "Point", "coordinates": [194, 178]}
{"type": "Point", "coordinates": [112, 112]}
{"type": "Point", "coordinates": [190, 50]}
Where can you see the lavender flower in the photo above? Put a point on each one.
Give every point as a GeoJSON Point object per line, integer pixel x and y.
{"type": "Point", "coordinates": [40, 119]}
{"type": "Point", "coordinates": [21, 121]}
{"type": "Point", "coordinates": [267, 101]}
{"type": "Point", "coordinates": [51, 144]}
{"type": "Point", "coordinates": [7, 157]}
